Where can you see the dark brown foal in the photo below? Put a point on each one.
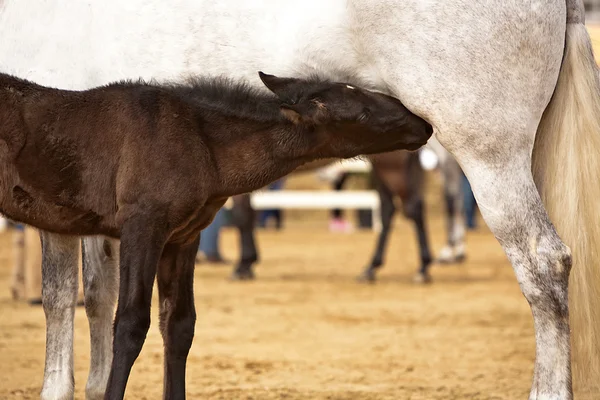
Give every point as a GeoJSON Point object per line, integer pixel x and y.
{"type": "Point", "coordinates": [151, 164]}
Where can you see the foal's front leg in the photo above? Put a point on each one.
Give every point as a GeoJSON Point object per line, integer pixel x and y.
{"type": "Point", "coordinates": [177, 313]}
{"type": "Point", "coordinates": [142, 240]}
{"type": "Point", "coordinates": [59, 297]}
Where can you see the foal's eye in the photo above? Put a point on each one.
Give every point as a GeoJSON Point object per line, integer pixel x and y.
{"type": "Point", "coordinates": [364, 115]}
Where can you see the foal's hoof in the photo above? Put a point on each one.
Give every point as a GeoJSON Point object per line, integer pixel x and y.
{"type": "Point", "coordinates": [422, 278]}
{"type": "Point", "coordinates": [368, 276]}
{"type": "Point", "coordinates": [244, 275]}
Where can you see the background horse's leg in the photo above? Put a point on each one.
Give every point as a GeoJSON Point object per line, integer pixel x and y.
{"type": "Point", "coordinates": [388, 209]}
{"type": "Point", "coordinates": [414, 209]}
{"type": "Point", "coordinates": [177, 313]}
{"type": "Point", "coordinates": [244, 218]}
{"type": "Point", "coordinates": [454, 251]}
{"type": "Point", "coordinates": [60, 255]}
{"type": "Point", "coordinates": [100, 288]}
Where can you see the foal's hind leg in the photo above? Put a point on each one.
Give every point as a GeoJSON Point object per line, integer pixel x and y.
{"type": "Point", "coordinates": [59, 295]}
{"type": "Point", "coordinates": [177, 313]}
{"type": "Point", "coordinates": [101, 285]}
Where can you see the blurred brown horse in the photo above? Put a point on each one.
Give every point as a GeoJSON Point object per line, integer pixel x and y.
{"type": "Point", "coordinates": [395, 174]}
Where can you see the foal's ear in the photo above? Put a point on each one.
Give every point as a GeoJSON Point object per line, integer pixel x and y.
{"type": "Point", "coordinates": [312, 112]}
{"type": "Point", "coordinates": [279, 86]}
{"type": "Point", "coordinates": [291, 113]}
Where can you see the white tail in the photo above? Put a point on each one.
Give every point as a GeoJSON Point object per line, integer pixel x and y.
{"type": "Point", "coordinates": [566, 167]}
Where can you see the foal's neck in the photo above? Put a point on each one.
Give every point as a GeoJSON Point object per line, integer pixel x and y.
{"type": "Point", "coordinates": [252, 154]}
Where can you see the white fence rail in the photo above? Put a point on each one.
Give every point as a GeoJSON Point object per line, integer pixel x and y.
{"type": "Point", "coordinates": [320, 199]}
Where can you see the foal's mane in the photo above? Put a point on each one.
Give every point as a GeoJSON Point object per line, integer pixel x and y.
{"type": "Point", "coordinates": [225, 96]}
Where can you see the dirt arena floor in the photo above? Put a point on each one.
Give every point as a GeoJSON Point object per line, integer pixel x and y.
{"type": "Point", "coordinates": [307, 330]}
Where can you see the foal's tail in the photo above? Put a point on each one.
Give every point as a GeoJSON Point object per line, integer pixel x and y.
{"type": "Point", "coordinates": [566, 167]}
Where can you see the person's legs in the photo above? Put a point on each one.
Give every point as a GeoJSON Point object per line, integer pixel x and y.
{"type": "Point", "coordinates": [469, 203]}
{"type": "Point", "coordinates": [33, 265]}
{"type": "Point", "coordinates": [274, 212]}
{"type": "Point", "coordinates": [209, 244]}
{"type": "Point", "coordinates": [17, 285]}
{"type": "Point", "coordinates": [337, 222]}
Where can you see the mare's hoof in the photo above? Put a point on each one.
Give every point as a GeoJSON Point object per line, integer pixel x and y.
{"type": "Point", "coordinates": [245, 275]}
{"type": "Point", "coordinates": [422, 278]}
{"type": "Point", "coordinates": [367, 277]}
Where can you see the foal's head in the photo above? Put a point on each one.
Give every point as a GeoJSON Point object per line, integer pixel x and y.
{"type": "Point", "coordinates": [362, 120]}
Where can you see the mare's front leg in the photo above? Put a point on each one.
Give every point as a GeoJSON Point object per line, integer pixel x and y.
{"type": "Point", "coordinates": [244, 218]}
{"type": "Point", "coordinates": [177, 313]}
{"type": "Point", "coordinates": [387, 207]}
{"type": "Point", "coordinates": [100, 287]}
{"type": "Point", "coordinates": [143, 235]}
{"type": "Point", "coordinates": [60, 255]}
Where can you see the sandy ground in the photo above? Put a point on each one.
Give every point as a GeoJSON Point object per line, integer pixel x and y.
{"type": "Point", "coordinates": [306, 330]}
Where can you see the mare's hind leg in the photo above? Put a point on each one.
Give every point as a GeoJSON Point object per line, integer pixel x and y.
{"type": "Point", "coordinates": [100, 288]}
{"type": "Point", "coordinates": [512, 208]}
{"type": "Point", "coordinates": [177, 313]}
{"type": "Point", "coordinates": [60, 255]}
{"type": "Point", "coordinates": [388, 209]}
{"type": "Point", "coordinates": [244, 217]}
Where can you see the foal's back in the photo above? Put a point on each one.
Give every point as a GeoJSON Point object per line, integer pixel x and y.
{"type": "Point", "coordinates": [69, 153]}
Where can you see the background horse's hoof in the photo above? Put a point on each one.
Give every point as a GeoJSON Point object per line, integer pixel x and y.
{"type": "Point", "coordinates": [448, 255]}
{"type": "Point", "coordinates": [422, 278]}
{"type": "Point", "coordinates": [459, 258]}
{"type": "Point", "coordinates": [368, 276]}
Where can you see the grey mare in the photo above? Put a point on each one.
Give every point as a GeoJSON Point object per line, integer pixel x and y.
{"type": "Point", "coordinates": [482, 72]}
